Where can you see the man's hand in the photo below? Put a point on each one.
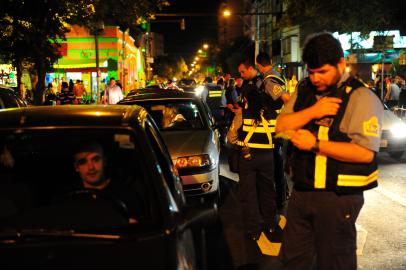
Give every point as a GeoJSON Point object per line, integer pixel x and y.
{"type": "Point", "coordinates": [326, 106]}
{"type": "Point", "coordinates": [303, 139]}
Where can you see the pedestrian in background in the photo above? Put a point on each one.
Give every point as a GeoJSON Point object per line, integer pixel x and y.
{"type": "Point", "coordinates": [112, 93]}
{"type": "Point", "coordinates": [66, 96]}
{"type": "Point", "coordinates": [335, 125]}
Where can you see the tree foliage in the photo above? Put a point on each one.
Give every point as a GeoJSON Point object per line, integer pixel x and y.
{"type": "Point", "coordinates": [345, 15]}
{"type": "Point", "coordinates": [169, 67]}
{"type": "Point", "coordinates": [29, 29]}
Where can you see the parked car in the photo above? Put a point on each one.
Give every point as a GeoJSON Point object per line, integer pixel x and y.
{"type": "Point", "coordinates": [393, 140]}
{"type": "Point", "coordinates": [49, 220]}
{"type": "Point", "coordinates": [10, 99]}
{"type": "Point", "coordinates": [190, 134]}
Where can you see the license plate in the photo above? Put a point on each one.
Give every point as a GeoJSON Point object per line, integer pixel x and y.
{"type": "Point", "coordinates": [384, 143]}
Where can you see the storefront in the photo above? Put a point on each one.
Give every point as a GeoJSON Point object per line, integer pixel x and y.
{"type": "Point", "coordinates": [118, 58]}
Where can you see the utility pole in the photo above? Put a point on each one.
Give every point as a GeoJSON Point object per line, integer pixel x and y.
{"type": "Point", "coordinates": [99, 27]}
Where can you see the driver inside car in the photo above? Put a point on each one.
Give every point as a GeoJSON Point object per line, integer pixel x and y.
{"type": "Point", "coordinates": [90, 164]}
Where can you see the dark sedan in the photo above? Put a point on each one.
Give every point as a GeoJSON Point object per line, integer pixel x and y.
{"type": "Point", "coordinates": [9, 98]}
{"type": "Point", "coordinates": [192, 138]}
{"type": "Point", "coordinates": [49, 217]}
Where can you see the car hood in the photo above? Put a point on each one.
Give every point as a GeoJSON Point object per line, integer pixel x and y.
{"type": "Point", "coordinates": [188, 143]}
{"type": "Point", "coordinates": [389, 119]}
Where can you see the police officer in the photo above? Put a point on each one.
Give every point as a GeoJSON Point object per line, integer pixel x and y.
{"type": "Point", "coordinates": [215, 98]}
{"type": "Point", "coordinates": [335, 123]}
{"type": "Point", "coordinates": [251, 130]}
{"type": "Point", "coordinates": [276, 87]}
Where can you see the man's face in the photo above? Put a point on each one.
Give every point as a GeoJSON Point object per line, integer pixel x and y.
{"type": "Point", "coordinates": [90, 166]}
{"type": "Point", "coordinates": [246, 73]}
{"type": "Point", "coordinates": [327, 75]}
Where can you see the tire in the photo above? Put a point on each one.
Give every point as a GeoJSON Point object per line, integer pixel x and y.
{"type": "Point", "coordinates": [396, 154]}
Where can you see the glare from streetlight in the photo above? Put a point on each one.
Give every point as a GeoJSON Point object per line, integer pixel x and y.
{"type": "Point", "coordinates": [226, 13]}
{"type": "Point", "coordinates": [197, 58]}
{"type": "Point", "coordinates": [199, 51]}
{"type": "Point", "coordinates": [205, 46]}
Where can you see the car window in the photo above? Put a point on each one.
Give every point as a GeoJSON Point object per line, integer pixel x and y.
{"type": "Point", "coordinates": [175, 115]}
{"type": "Point", "coordinates": [8, 100]}
{"type": "Point", "coordinates": [61, 179]}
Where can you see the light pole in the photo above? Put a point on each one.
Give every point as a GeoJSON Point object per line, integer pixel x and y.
{"type": "Point", "coordinates": [227, 13]}
{"type": "Point", "coordinates": [99, 27]}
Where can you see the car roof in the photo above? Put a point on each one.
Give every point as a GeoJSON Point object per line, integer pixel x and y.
{"type": "Point", "coordinates": [72, 116]}
{"type": "Point", "coordinates": [158, 93]}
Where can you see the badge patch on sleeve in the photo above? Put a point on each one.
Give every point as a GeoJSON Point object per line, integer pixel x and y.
{"type": "Point", "coordinates": [277, 90]}
{"type": "Point", "coordinates": [371, 127]}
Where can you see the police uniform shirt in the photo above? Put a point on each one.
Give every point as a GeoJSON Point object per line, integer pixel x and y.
{"type": "Point", "coordinates": [362, 120]}
{"type": "Point", "coordinates": [272, 87]}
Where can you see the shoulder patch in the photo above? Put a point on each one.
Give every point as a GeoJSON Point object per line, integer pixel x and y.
{"type": "Point", "coordinates": [371, 127]}
{"type": "Point", "coordinates": [277, 89]}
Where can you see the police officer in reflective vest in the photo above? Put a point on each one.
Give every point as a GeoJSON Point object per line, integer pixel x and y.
{"type": "Point", "coordinates": [275, 85]}
{"type": "Point", "coordinates": [251, 131]}
{"type": "Point", "coordinates": [334, 122]}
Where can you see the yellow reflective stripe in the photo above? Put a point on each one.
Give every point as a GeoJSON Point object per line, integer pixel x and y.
{"type": "Point", "coordinates": [260, 145]}
{"type": "Point", "coordinates": [356, 180]}
{"type": "Point", "coordinates": [258, 129]}
{"type": "Point", "coordinates": [249, 122]}
{"type": "Point", "coordinates": [216, 93]}
{"type": "Point", "coordinates": [320, 171]}
{"type": "Point", "coordinates": [255, 145]}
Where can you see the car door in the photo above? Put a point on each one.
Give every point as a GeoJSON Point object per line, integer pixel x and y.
{"type": "Point", "coordinates": [184, 238]}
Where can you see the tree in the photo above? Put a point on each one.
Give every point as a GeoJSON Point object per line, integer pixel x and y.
{"type": "Point", "coordinates": [29, 29]}
{"type": "Point", "coordinates": [169, 67]}
{"type": "Point", "coordinates": [344, 16]}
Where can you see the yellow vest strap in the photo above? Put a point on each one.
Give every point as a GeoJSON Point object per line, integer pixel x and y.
{"type": "Point", "coordinates": [320, 170]}
{"type": "Point", "coordinates": [255, 145]}
{"type": "Point", "coordinates": [249, 122]}
{"type": "Point", "coordinates": [356, 180]}
{"type": "Point", "coordinates": [258, 129]}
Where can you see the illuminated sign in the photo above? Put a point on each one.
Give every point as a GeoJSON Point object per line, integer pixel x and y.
{"type": "Point", "coordinates": [359, 42]}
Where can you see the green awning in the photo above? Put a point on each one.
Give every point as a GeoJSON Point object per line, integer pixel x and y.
{"type": "Point", "coordinates": [65, 63]}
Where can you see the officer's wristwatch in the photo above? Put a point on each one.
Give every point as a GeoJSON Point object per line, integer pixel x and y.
{"type": "Point", "coordinates": [315, 148]}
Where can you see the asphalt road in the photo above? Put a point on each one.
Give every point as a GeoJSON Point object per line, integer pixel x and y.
{"type": "Point", "coordinates": [381, 225]}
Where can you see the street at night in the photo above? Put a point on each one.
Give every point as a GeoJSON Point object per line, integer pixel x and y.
{"type": "Point", "coordinates": [203, 134]}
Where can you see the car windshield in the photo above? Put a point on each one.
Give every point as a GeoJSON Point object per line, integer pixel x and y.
{"type": "Point", "coordinates": [174, 115]}
{"type": "Point", "coordinates": [187, 82]}
{"type": "Point", "coordinates": [73, 179]}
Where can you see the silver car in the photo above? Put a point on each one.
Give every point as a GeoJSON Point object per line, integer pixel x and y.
{"type": "Point", "coordinates": [190, 134]}
{"type": "Point", "coordinates": [393, 139]}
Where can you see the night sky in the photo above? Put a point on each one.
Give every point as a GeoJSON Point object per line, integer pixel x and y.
{"type": "Point", "coordinates": [198, 29]}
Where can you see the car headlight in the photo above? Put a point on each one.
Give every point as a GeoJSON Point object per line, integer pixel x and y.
{"type": "Point", "coordinates": [199, 90]}
{"type": "Point", "coordinates": [398, 130]}
{"type": "Point", "coordinates": [197, 161]}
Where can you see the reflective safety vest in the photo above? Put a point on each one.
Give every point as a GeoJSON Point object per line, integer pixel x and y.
{"type": "Point", "coordinates": [256, 134]}
{"type": "Point", "coordinates": [319, 172]}
{"type": "Point", "coordinates": [213, 99]}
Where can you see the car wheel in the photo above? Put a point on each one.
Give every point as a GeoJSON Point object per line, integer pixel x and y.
{"type": "Point", "coordinates": [396, 154]}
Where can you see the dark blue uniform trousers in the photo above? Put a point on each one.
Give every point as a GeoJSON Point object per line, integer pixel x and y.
{"type": "Point", "coordinates": [257, 190]}
{"type": "Point", "coordinates": [321, 224]}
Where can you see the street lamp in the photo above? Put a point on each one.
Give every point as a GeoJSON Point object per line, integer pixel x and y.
{"type": "Point", "coordinates": [205, 46]}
